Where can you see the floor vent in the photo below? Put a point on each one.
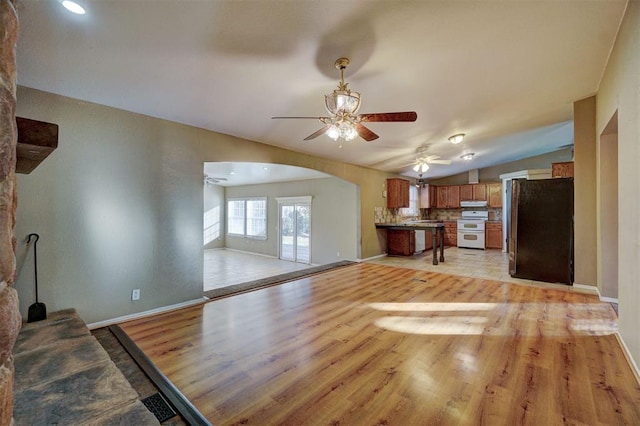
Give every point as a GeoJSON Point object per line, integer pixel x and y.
{"type": "Point", "coordinates": [420, 280]}
{"type": "Point", "coordinates": [159, 407]}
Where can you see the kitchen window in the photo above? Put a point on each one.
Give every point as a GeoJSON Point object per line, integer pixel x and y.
{"type": "Point", "coordinates": [247, 217]}
{"type": "Point", "coordinates": [413, 209]}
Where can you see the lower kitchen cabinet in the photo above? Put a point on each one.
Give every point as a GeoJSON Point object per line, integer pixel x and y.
{"type": "Point", "coordinates": [428, 241]}
{"type": "Point", "coordinates": [450, 233]}
{"type": "Point", "coordinates": [401, 242]}
{"type": "Point", "coordinates": [493, 235]}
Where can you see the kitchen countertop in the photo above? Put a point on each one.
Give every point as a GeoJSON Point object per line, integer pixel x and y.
{"type": "Point", "coordinates": [416, 226]}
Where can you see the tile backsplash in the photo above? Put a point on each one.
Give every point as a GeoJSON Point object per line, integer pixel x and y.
{"type": "Point", "coordinates": [386, 215]}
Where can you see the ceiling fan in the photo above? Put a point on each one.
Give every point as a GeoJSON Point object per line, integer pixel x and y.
{"type": "Point", "coordinates": [422, 161]}
{"type": "Point", "coordinates": [343, 121]}
{"type": "Point", "coordinates": [208, 180]}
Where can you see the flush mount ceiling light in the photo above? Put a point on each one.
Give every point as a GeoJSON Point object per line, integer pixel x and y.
{"type": "Point", "coordinates": [456, 139]}
{"type": "Point", "coordinates": [468, 157]}
{"type": "Point", "coordinates": [74, 7]}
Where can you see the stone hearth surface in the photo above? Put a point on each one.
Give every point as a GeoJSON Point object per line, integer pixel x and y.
{"type": "Point", "coordinates": [64, 376]}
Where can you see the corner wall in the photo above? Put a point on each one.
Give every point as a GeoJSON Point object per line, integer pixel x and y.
{"type": "Point", "coordinates": [584, 189]}
{"type": "Point", "coordinates": [620, 90]}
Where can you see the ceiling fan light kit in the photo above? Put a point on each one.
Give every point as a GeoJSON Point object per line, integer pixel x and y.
{"type": "Point", "coordinates": [344, 123]}
{"type": "Point", "coordinates": [456, 139]}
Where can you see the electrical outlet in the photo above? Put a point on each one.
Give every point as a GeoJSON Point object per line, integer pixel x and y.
{"type": "Point", "coordinates": [135, 294]}
{"type": "Point", "coordinates": [338, 254]}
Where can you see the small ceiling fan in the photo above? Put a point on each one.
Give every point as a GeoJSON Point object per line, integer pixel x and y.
{"type": "Point", "coordinates": [343, 121]}
{"type": "Point", "coordinates": [208, 180]}
{"type": "Point", "coordinates": [422, 162]}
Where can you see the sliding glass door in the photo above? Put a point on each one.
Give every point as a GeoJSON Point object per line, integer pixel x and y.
{"type": "Point", "coordinates": [295, 229]}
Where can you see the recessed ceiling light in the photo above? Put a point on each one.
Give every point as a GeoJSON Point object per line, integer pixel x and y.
{"type": "Point", "coordinates": [74, 7]}
{"type": "Point", "coordinates": [266, 168]}
{"type": "Point", "coordinates": [456, 139]}
{"type": "Point", "coordinates": [232, 173]}
{"type": "Point", "coordinates": [467, 157]}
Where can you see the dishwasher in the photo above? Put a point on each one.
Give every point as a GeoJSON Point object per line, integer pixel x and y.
{"type": "Point", "coordinates": [420, 242]}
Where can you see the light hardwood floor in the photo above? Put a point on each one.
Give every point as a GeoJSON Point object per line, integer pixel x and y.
{"type": "Point", "coordinates": [372, 344]}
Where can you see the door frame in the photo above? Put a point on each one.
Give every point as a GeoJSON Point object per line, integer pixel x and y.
{"type": "Point", "coordinates": [293, 201]}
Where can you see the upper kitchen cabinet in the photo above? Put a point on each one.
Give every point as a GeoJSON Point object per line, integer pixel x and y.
{"type": "Point", "coordinates": [448, 197]}
{"type": "Point", "coordinates": [494, 195]}
{"type": "Point", "coordinates": [427, 195]}
{"type": "Point", "coordinates": [473, 192]}
{"type": "Point", "coordinates": [397, 193]}
{"type": "Point", "coordinates": [562, 170]}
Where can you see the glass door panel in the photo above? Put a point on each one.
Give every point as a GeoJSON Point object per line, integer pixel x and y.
{"type": "Point", "coordinates": [287, 231]}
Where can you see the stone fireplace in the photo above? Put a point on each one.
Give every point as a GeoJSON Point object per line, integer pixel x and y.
{"type": "Point", "coordinates": [10, 319]}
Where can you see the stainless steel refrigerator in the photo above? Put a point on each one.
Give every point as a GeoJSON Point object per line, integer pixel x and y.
{"type": "Point", "coordinates": [541, 230]}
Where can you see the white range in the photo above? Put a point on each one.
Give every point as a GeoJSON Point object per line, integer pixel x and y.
{"type": "Point", "coordinates": [471, 225]}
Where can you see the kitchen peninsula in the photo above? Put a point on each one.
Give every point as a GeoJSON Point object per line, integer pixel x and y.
{"type": "Point", "coordinates": [435, 227]}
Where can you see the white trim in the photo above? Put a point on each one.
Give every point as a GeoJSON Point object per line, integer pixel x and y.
{"type": "Point", "coordinates": [295, 200]}
{"type": "Point", "coordinates": [588, 288]}
{"type": "Point", "coordinates": [627, 355]}
{"type": "Point", "coordinates": [250, 252]}
{"type": "Point", "coordinates": [372, 258]}
{"type": "Point", "coordinates": [528, 174]}
{"type": "Point", "coordinates": [163, 309]}
{"type": "Point", "coordinates": [609, 299]}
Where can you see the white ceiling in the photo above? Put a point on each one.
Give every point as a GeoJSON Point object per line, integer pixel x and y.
{"type": "Point", "coordinates": [504, 72]}
{"type": "Point", "coordinates": [236, 174]}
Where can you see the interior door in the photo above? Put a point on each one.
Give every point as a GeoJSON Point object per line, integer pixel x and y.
{"type": "Point", "coordinates": [295, 232]}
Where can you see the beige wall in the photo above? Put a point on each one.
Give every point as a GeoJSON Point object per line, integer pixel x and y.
{"type": "Point", "coordinates": [119, 206]}
{"type": "Point", "coordinates": [334, 217]}
{"type": "Point", "coordinates": [620, 91]}
{"type": "Point", "coordinates": [608, 213]}
{"type": "Point", "coordinates": [585, 206]}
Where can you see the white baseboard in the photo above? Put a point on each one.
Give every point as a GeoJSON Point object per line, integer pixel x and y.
{"type": "Point", "coordinates": [596, 290]}
{"type": "Point", "coordinates": [627, 355]}
{"type": "Point", "coordinates": [250, 252]}
{"type": "Point", "coordinates": [587, 288]}
{"type": "Point", "coordinates": [144, 314]}
{"type": "Point", "coordinates": [372, 258]}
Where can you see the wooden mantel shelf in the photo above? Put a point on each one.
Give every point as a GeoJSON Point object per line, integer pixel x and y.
{"type": "Point", "coordinates": [36, 140]}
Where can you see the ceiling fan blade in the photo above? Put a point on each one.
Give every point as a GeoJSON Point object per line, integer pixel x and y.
{"type": "Point", "coordinates": [390, 116]}
{"type": "Point", "coordinates": [315, 118]}
{"type": "Point", "coordinates": [318, 133]}
{"type": "Point", "coordinates": [439, 162]}
{"type": "Point", "coordinates": [365, 133]}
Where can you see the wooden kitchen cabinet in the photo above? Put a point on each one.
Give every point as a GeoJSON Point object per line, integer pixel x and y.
{"type": "Point", "coordinates": [473, 192]}
{"type": "Point", "coordinates": [401, 242]}
{"type": "Point", "coordinates": [450, 233]}
{"type": "Point", "coordinates": [397, 193]}
{"type": "Point", "coordinates": [562, 170]}
{"type": "Point", "coordinates": [427, 196]}
{"type": "Point", "coordinates": [493, 235]}
{"type": "Point", "coordinates": [428, 240]}
{"type": "Point", "coordinates": [494, 194]}
{"type": "Point", "coordinates": [448, 197]}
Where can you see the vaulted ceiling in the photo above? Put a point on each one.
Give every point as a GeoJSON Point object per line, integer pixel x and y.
{"type": "Point", "coordinates": [505, 73]}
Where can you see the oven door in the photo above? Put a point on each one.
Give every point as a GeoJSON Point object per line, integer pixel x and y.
{"type": "Point", "coordinates": [471, 239]}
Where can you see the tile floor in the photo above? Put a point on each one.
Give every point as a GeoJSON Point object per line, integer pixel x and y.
{"type": "Point", "coordinates": [489, 264]}
{"type": "Point", "coordinates": [223, 267]}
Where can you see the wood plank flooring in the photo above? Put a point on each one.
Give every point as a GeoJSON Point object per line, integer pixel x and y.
{"type": "Point", "coordinates": [378, 345]}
